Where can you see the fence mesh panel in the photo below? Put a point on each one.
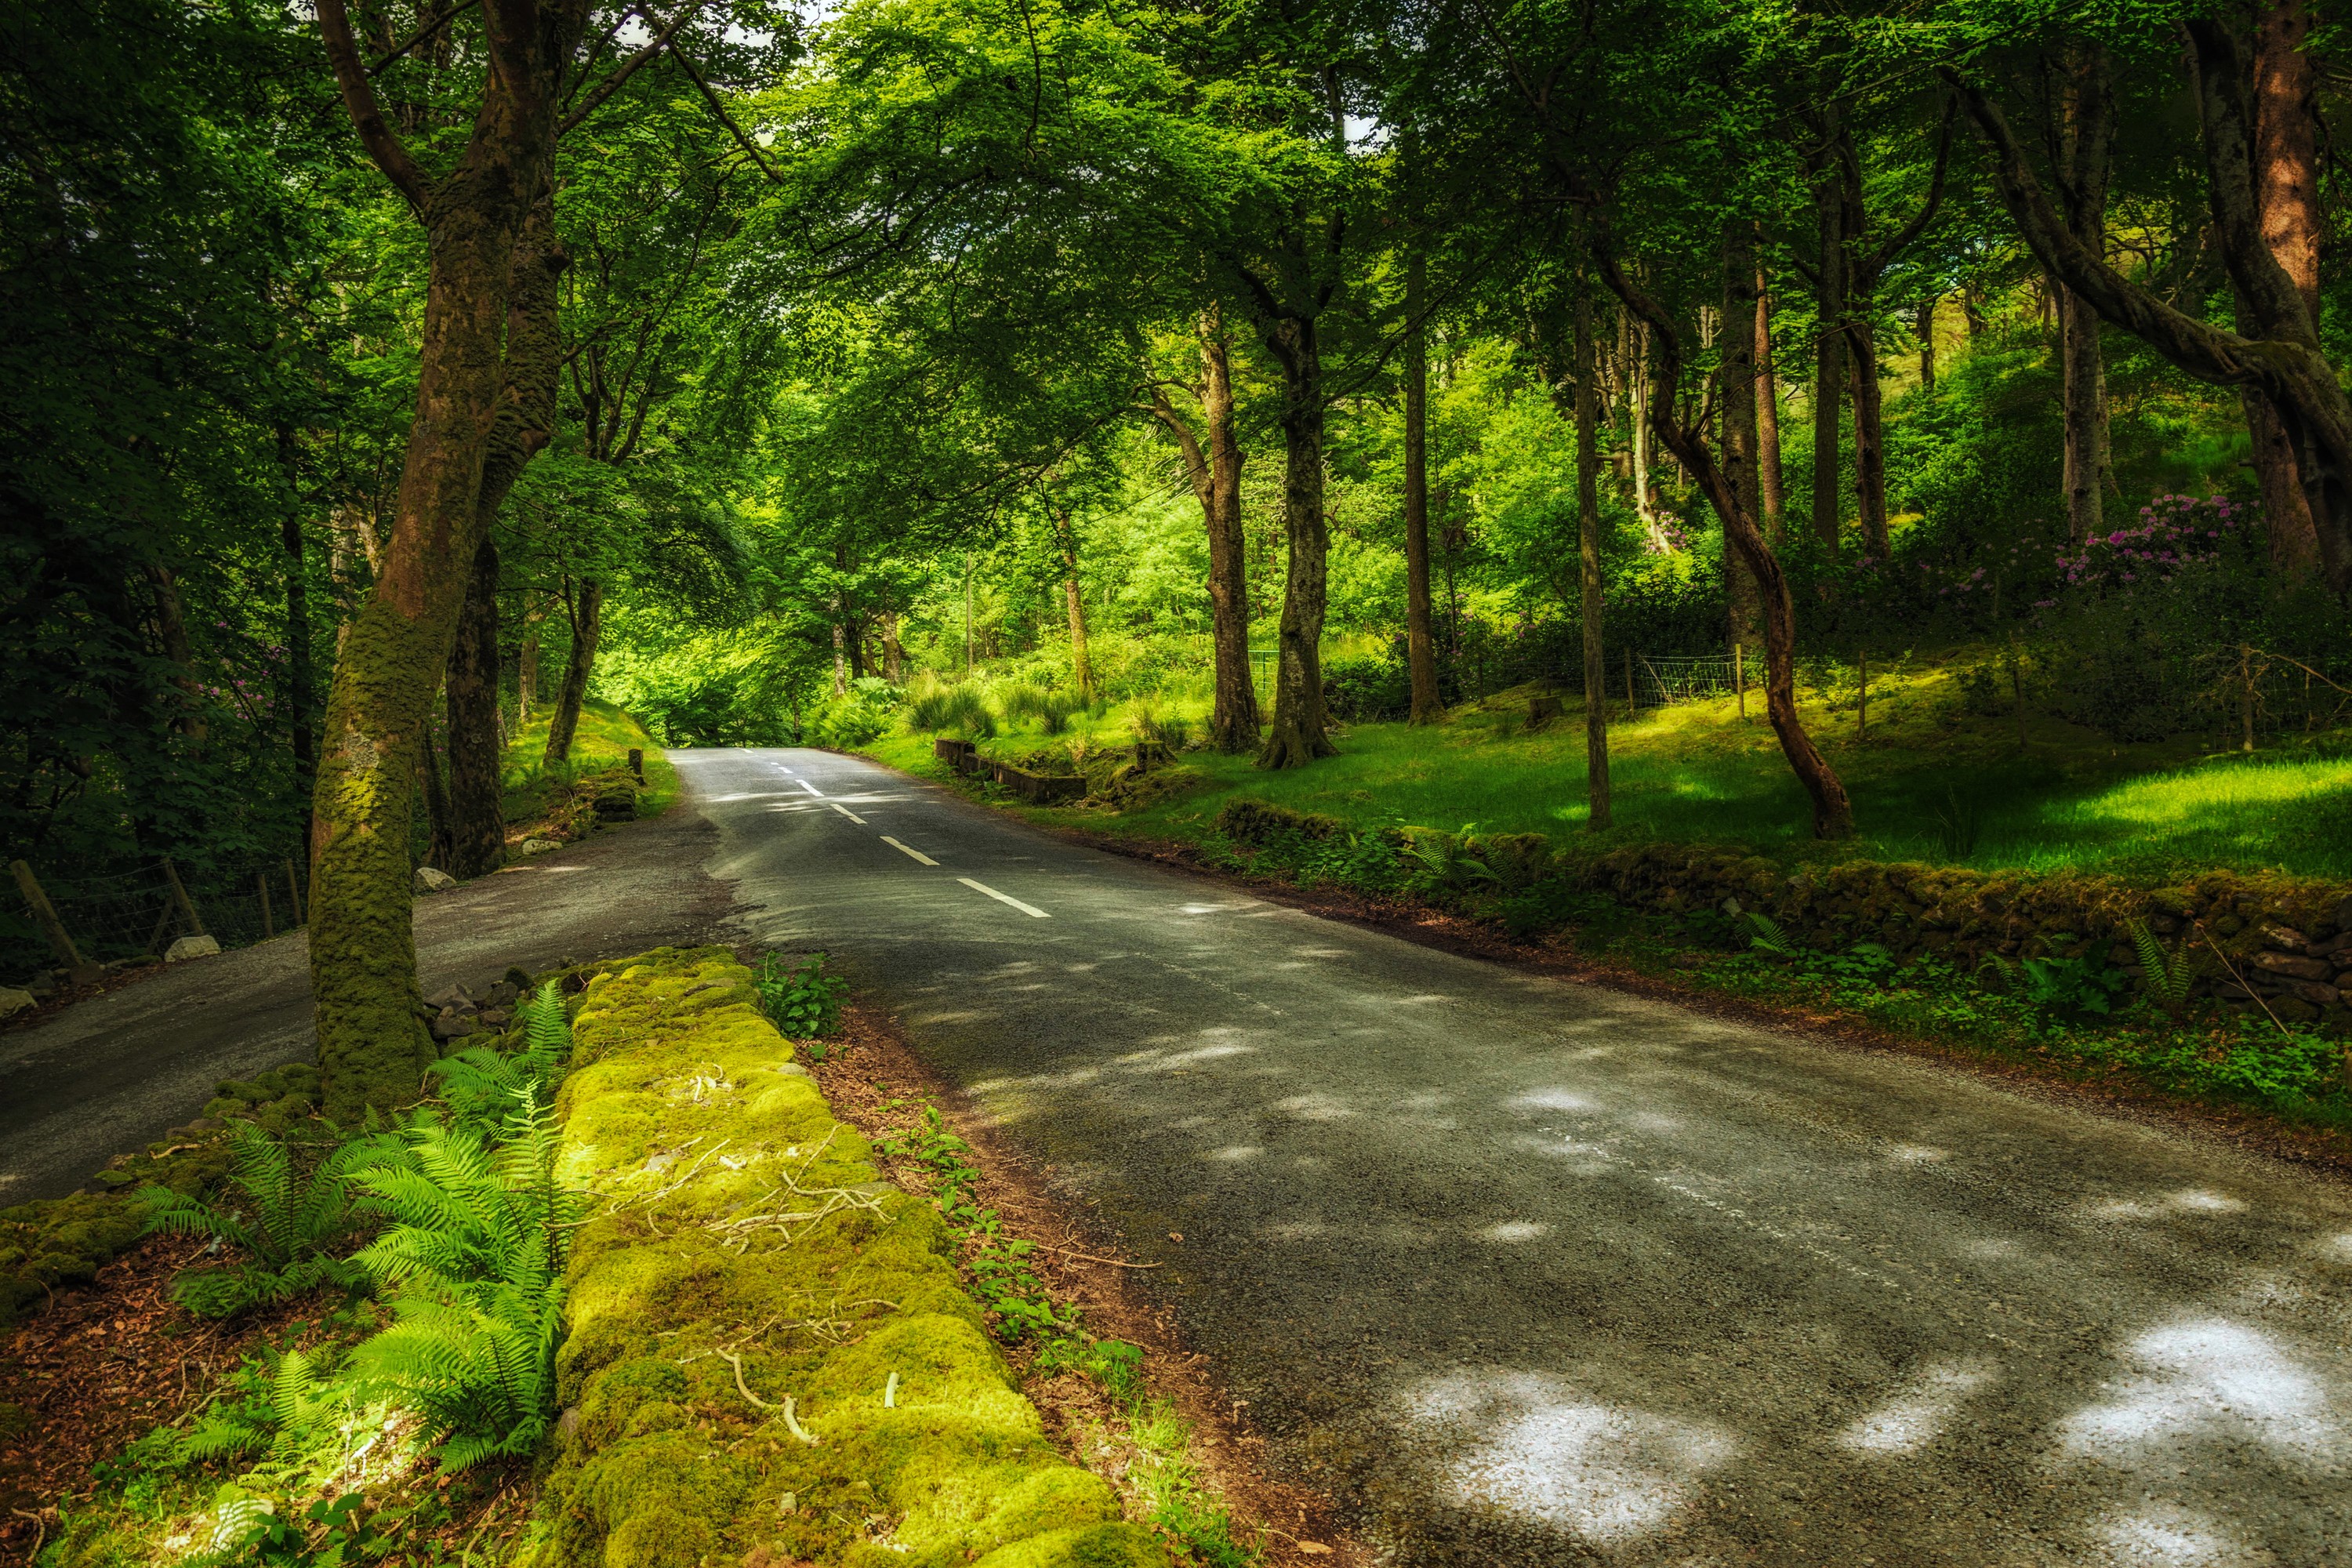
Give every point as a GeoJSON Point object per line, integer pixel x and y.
{"type": "Point", "coordinates": [136, 913]}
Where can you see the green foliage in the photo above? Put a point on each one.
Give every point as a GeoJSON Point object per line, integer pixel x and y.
{"type": "Point", "coordinates": [2165, 978]}
{"type": "Point", "coordinates": [291, 1224]}
{"type": "Point", "coordinates": [275, 1404]}
{"type": "Point", "coordinates": [487, 1088]}
{"type": "Point", "coordinates": [474, 1254]}
{"type": "Point", "coordinates": [2086, 984]}
{"type": "Point", "coordinates": [802, 1001]}
{"type": "Point", "coordinates": [1767, 937]}
{"type": "Point", "coordinates": [1018, 1303]}
{"type": "Point", "coordinates": [1446, 864]}
{"type": "Point", "coordinates": [961, 710]}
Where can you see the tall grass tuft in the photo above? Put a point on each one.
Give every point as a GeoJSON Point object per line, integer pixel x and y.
{"type": "Point", "coordinates": [935, 709]}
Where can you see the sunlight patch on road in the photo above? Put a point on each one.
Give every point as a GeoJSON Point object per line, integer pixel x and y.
{"type": "Point", "coordinates": [1530, 1445]}
{"type": "Point", "coordinates": [2194, 1200]}
{"type": "Point", "coordinates": [1553, 1099]}
{"type": "Point", "coordinates": [1512, 1230]}
{"type": "Point", "coordinates": [2338, 1247]}
{"type": "Point", "coordinates": [1915, 1154]}
{"type": "Point", "coordinates": [1920, 1414]}
{"type": "Point", "coordinates": [2208, 1378]}
{"type": "Point", "coordinates": [2169, 1538]}
{"type": "Point", "coordinates": [1234, 1154]}
{"type": "Point", "coordinates": [1314, 1108]}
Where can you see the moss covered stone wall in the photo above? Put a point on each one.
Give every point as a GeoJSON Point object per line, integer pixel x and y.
{"type": "Point", "coordinates": [747, 1254]}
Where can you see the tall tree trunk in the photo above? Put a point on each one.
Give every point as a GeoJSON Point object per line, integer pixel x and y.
{"type": "Point", "coordinates": [587, 609]}
{"type": "Point", "coordinates": [1065, 533]}
{"type": "Point", "coordinates": [840, 652]}
{"type": "Point", "coordinates": [1421, 652]}
{"type": "Point", "coordinates": [302, 694]}
{"type": "Point", "coordinates": [1830, 345]}
{"type": "Point", "coordinates": [1588, 551]}
{"type": "Point", "coordinates": [1771, 489]}
{"type": "Point", "coordinates": [478, 829]}
{"type": "Point", "coordinates": [372, 1044]}
{"type": "Point", "coordinates": [1972, 316]}
{"type": "Point", "coordinates": [1869, 439]}
{"type": "Point", "coordinates": [1215, 473]}
{"type": "Point", "coordinates": [1234, 721]}
{"type": "Point", "coordinates": [527, 667]}
{"type": "Point", "coordinates": [893, 654]}
{"type": "Point", "coordinates": [1637, 417]}
{"type": "Point", "coordinates": [436, 802]}
{"type": "Point", "coordinates": [172, 627]}
{"type": "Point", "coordinates": [1832, 809]}
{"type": "Point", "coordinates": [2083, 165]}
{"type": "Point", "coordinates": [1925, 329]}
{"type": "Point", "coordinates": [1739, 433]}
{"type": "Point", "coordinates": [2286, 189]}
{"type": "Point", "coordinates": [1297, 736]}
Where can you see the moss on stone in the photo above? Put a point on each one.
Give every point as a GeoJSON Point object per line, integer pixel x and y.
{"type": "Point", "coordinates": [748, 1252]}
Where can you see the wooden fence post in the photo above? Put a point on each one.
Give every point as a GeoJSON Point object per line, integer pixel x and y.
{"type": "Point", "coordinates": [80, 970]}
{"type": "Point", "coordinates": [1631, 707]}
{"type": "Point", "coordinates": [261, 885]}
{"type": "Point", "coordinates": [293, 892]}
{"type": "Point", "coordinates": [1739, 676]}
{"type": "Point", "coordinates": [180, 897]}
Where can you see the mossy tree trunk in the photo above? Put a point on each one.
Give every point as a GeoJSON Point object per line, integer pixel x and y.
{"type": "Point", "coordinates": [372, 1044]}
{"type": "Point", "coordinates": [1212, 461]}
{"type": "Point", "coordinates": [1740, 453]}
{"type": "Point", "coordinates": [1297, 735]}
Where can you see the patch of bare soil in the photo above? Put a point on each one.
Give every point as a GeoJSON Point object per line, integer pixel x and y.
{"type": "Point", "coordinates": [877, 1084]}
{"type": "Point", "coordinates": [2113, 1094]}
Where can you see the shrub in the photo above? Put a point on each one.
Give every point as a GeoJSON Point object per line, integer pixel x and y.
{"type": "Point", "coordinates": [951, 709]}
{"type": "Point", "coordinates": [803, 1002]}
{"type": "Point", "coordinates": [1358, 691]}
{"type": "Point", "coordinates": [484, 1088]}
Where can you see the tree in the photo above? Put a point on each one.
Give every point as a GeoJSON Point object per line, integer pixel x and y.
{"type": "Point", "coordinates": [489, 348]}
{"type": "Point", "coordinates": [2275, 350]}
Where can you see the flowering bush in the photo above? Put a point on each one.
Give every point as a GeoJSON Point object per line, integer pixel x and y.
{"type": "Point", "coordinates": [2173, 532]}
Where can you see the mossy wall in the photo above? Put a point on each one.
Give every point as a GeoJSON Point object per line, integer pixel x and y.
{"type": "Point", "coordinates": [2285, 938]}
{"type": "Point", "coordinates": [746, 1252]}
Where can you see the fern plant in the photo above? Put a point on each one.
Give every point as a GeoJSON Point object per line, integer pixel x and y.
{"type": "Point", "coordinates": [2167, 978]}
{"type": "Point", "coordinates": [482, 1086]}
{"type": "Point", "coordinates": [1448, 862]}
{"type": "Point", "coordinates": [1767, 937]}
{"type": "Point", "coordinates": [289, 1227]}
{"type": "Point", "coordinates": [476, 1253]}
{"type": "Point", "coordinates": [286, 1403]}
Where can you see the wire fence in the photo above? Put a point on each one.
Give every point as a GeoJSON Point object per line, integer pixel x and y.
{"type": "Point", "coordinates": [1661, 680]}
{"type": "Point", "coordinates": [138, 915]}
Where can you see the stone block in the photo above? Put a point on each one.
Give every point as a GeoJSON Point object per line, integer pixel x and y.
{"type": "Point", "coordinates": [13, 1002]}
{"type": "Point", "coordinates": [189, 947]}
{"type": "Point", "coordinates": [432, 879]}
{"type": "Point", "coordinates": [2294, 966]}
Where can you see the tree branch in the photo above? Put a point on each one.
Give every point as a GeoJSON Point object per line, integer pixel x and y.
{"type": "Point", "coordinates": [359, 101]}
{"type": "Point", "coordinates": [628, 67]}
{"type": "Point", "coordinates": [423, 33]}
{"type": "Point", "coordinates": [719, 107]}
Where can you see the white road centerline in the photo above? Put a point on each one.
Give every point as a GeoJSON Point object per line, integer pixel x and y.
{"type": "Point", "coordinates": [811, 788]}
{"type": "Point", "coordinates": [1004, 898]}
{"type": "Point", "coordinates": [849, 813]}
{"type": "Point", "coordinates": [904, 850]}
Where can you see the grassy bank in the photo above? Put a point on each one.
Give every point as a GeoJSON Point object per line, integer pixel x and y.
{"type": "Point", "coordinates": [533, 787]}
{"type": "Point", "coordinates": [1932, 780]}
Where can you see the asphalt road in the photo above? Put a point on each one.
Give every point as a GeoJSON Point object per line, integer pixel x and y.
{"type": "Point", "coordinates": [1529, 1272]}
{"type": "Point", "coordinates": [118, 1070]}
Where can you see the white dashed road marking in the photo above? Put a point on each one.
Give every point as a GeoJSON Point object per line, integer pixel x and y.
{"type": "Point", "coordinates": [849, 813]}
{"type": "Point", "coordinates": [811, 788]}
{"type": "Point", "coordinates": [1000, 898]}
{"type": "Point", "coordinates": [904, 850]}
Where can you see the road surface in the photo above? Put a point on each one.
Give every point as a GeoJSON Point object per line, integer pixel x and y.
{"type": "Point", "coordinates": [1521, 1272]}
{"type": "Point", "coordinates": [1525, 1271]}
{"type": "Point", "coordinates": [118, 1070]}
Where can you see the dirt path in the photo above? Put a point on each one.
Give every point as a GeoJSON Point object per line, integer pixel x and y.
{"type": "Point", "coordinates": [118, 1070]}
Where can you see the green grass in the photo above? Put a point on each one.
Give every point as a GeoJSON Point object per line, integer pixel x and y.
{"type": "Point", "coordinates": [603, 738]}
{"type": "Point", "coordinates": [1930, 783]}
